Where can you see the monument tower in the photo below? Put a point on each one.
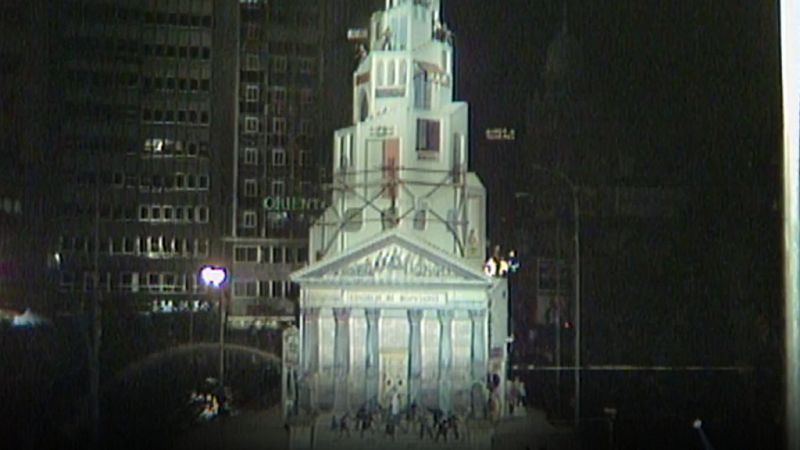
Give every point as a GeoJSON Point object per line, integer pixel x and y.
{"type": "Point", "coordinates": [395, 302]}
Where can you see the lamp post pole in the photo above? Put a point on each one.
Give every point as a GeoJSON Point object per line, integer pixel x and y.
{"type": "Point", "coordinates": [576, 211]}
{"type": "Point", "coordinates": [215, 277]}
{"type": "Point", "coordinates": [221, 338]}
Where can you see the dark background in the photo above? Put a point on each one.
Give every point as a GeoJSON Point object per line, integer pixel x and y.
{"type": "Point", "coordinates": [695, 86]}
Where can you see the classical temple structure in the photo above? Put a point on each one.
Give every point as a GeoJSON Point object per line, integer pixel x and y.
{"type": "Point", "coordinates": [395, 299]}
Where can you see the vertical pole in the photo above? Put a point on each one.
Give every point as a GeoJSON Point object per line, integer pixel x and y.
{"type": "Point", "coordinates": [96, 330]}
{"type": "Point", "coordinates": [610, 433]}
{"type": "Point", "coordinates": [558, 315]}
{"type": "Point", "coordinates": [576, 206]}
{"type": "Point", "coordinates": [221, 337]}
{"type": "Point", "coordinates": [790, 65]}
{"type": "Point", "coordinates": [191, 324]}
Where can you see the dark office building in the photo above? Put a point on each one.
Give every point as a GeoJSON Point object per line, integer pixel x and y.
{"type": "Point", "coordinates": [275, 190]}
{"type": "Point", "coordinates": [171, 134]}
{"type": "Point", "coordinates": [24, 146]}
{"type": "Point", "coordinates": [142, 149]}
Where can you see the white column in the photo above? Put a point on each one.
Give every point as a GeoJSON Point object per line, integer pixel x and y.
{"type": "Point", "coordinates": [341, 361]}
{"type": "Point", "coordinates": [414, 355]}
{"type": "Point", "coordinates": [445, 358]}
{"type": "Point", "coordinates": [373, 346]}
{"type": "Point", "coordinates": [478, 359]}
{"type": "Point", "coordinates": [310, 357]}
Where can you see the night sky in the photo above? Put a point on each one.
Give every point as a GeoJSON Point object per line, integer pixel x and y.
{"type": "Point", "coordinates": [697, 81]}
{"type": "Point", "coordinates": [696, 86]}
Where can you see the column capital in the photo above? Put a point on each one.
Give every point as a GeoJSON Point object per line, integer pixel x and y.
{"type": "Point", "coordinates": [446, 315]}
{"type": "Point", "coordinates": [477, 314]}
{"type": "Point", "coordinates": [341, 314]}
{"type": "Point", "coordinates": [310, 313]}
{"type": "Point", "coordinates": [415, 315]}
{"type": "Point", "coordinates": [372, 314]}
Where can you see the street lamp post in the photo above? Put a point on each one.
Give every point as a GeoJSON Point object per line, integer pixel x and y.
{"type": "Point", "coordinates": [215, 277]}
{"type": "Point", "coordinates": [575, 191]}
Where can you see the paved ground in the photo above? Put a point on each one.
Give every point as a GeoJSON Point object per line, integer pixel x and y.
{"type": "Point", "coordinates": [264, 430]}
{"type": "Point", "coordinates": [259, 430]}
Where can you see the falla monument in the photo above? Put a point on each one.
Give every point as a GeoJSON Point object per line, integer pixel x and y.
{"type": "Point", "coordinates": [395, 309]}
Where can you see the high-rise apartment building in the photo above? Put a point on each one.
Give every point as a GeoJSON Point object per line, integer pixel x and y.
{"type": "Point", "coordinates": [275, 190]}
{"type": "Point", "coordinates": [24, 144]}
{"type": "Point", "coordinates": [140, 161]}
{"type": "Point", "coordinates": [191, 133]}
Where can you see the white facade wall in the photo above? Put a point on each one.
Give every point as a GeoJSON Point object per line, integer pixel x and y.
{"type": "Point", "coordinates": [404, 157]}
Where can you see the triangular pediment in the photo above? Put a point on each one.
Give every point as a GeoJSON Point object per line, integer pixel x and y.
{"type": "Point", "coordinates": [395, 259]}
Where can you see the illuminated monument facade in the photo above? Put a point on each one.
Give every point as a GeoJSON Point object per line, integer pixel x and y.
{"type": "Point", "coordinates": [395, 299]}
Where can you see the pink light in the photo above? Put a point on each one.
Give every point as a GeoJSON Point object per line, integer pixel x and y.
{"type": "Point", "coordinates": [213, 276]}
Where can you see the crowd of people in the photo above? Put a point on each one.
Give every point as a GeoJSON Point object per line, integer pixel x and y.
{"type": "Point", "coordinates": [210, 402]}
{"type": "Point", "coordinates": [430, 423]}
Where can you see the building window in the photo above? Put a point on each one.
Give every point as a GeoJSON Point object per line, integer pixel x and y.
{"type": "Point", "coordinates": [390, 73]}
{"type": "Point", "coordinates": [306, 65]}
{"type": "Point", "coordinates": [306, 97]}
{"type": "Point", "coordinates": [277, 94]}
{"type": "Point", "coordinates": [306, 127]}
{"type": "Point", "coordinates": [277, 289]}
{"type": "Point", "coordinates": [346, 156]}
{"type": "Point", "coordinates": [399, 33]}
{"type": "Point", "coordinates": [278, 157]}
{"type": "Point", "coordinates": [250, 188]}
{"type": "Point", "coordinates": [379, 69]}
{"type": "Point", "coordinates": [245, 254]}
{"type": "Point", "coordinates": [250, 155]}
{"type": "Point", "coordinates": [202, 214]}
{"type": "Point", "coordinates": [201, 247]}
{"type": "Point", "coordinates": [251, 124]}
{"type": "Point", "coordinates": [245, 288]}
{"type": "Point", "coordinates": [277, 255]}
{"type": "Point", "coordinates": [428, 138]}
{"type": "Point", "coordinates": [129, 281]}
{"type": "Point", "coordinates": [302, 158]}
{"type": "Point", "coordinates": [264, 288]}
{"type": "Point", "coordinates": [422, 90]}
{"type": "Point", "coordinates": [251, 62]}
{"type": "Point", "coordinates": [278, 188]}
{"type": "Point", "coordinates": [128, 245]}
{"type": "Point", "coordinates": [252, 93]}
{"type": "Point", "coordinates": [251, 31]}
{"type": "Point", "coordinates": [402, 75]}
{"type": "Point", "coordinates": [279, 63]}
{"type": "Point", "coordinates": [249, 219]}
{"type": "Point", "coordinates": [279, 125]}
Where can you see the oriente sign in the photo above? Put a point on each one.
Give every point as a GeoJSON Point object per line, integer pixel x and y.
{"type": "Point", "coordinates": [293, 204]}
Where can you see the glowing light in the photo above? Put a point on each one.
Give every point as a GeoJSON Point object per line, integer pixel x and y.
{"type": "Point", "coordinates": [490, 268]}
{"type": "Point", "coordinates": [513, 262]}
{"type": "Point", "coordinates": [213, 276]}
{"type": "Point", "coordinates": [496, 266]}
